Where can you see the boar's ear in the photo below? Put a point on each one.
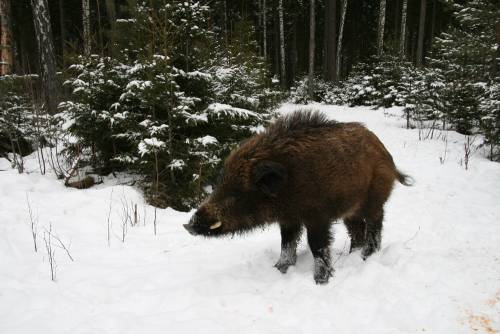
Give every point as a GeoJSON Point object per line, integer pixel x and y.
{"type": "Point", "coordinates": [269, 176]}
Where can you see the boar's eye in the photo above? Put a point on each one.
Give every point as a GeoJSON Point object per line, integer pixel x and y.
{"type": "Point", "coordinates": [269, 177]}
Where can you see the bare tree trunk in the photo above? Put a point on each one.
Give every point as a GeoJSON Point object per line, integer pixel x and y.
{"type": "Point", "coordinates": [397, 13]}
{"type": "Point", "coordinates": [421, 32]}
{"type": "Point", "coordinates": [264, 22]}
{"type": "Point", "coordinates": [381, 27]}
{"type": "Point", "coordinates": [292, 61]}
{"type": "Point", "coordinates": [45, 43]}
{"type": "Point", "coordinates": [226, 35]}
{"type": "Point", "coordinates": [6, 56]}
{"type": "Point", "coordinates": [343, 11]}
{"type": "Point", "coordinates": [402, 37]}
{"type": "Point", "coordinates": [282, 44]}
{"type": "Point", "coordinates": [111, 10]}
{"type": "Point", "coordinates": [312, 46]}
{"type": "Point", "coordinates": [86, 27]}
{"type": "Point", "coordinates": [62, 27]}
{"type": "Point", "coordinates": [331, 40]}
{"type": "Point", "coordinates": [433, 23]}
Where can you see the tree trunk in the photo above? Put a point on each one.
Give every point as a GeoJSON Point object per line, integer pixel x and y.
{"type": "Point", "coordinates": [433, 23]}
{"type": "Point", "coordinates": [6, 57]}
{"type": "Point", "coordinates": [402, 37]}
{"type": "Point", "coordinates": [312, 46]}
{"type": "Point", "coordinates": [397, 12]}
{"type": "Point", "coordinates": [331, 40]}
{"type": "Point", "coordinates": [62, 27]}
{"type": "Point", "coordinates": [282, 44]}
{"type": "Point", "coordinates": [43, 32]}
{"type": "Point", "coordinates": [292, 61]}
{"type": "Point", "coordinates": [421, 32]}
{"type": "Point", "coordinates": [264, 23]}
{"type": "Point", "coordinates": [226, 33]}
{"type": "Point", "coordinates": [111, 11]}
{"type": "Point", "coordinates": [343, 11]}
{"type": "Point", "coordinates": [86, 27]}
{"type": "Point", "coordinates": [259, 25]}
{"type": "Point", "coordinates": [381, 27]}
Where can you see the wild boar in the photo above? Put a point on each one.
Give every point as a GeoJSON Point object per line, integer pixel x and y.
{"type": "Point", "coordinates": [304, 171]}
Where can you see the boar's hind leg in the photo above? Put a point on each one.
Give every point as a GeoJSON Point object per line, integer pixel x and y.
{"type": "Point", "coordinates": [373, 233]}
{"type": "Point", "coordinates": [318, 237]}
{"type": "Point", "coordinates": [290, 235]}
{"type": "Point", "coordinates": [373, 210]}
{"type": "Point", "coordinates": [356, 227]}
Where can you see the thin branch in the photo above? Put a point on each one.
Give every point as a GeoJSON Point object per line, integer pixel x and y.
{"type": "Point", "coordinates": [33, 222]}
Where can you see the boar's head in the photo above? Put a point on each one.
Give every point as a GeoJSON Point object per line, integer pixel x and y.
{"type": "Point", "coordinates": [245, 197]}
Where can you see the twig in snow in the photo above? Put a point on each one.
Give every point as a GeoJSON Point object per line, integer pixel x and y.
{"type": "Point", "coordinates": [73, 169]}
{"type": "Point", "coordinates": [469, 149]}
{"type": "Point", "coordinates": [135, 215]}
{"type": "Point", "coordinates": [61, 244]}
{"type": "Point", "coordinates": [125, 218]}
{"type": "Point", "coordinates": [50, 252]}
{"type": "Point", "coordinates": [413, 237]}
{"type": "Point", "coordinates": [342, 252]}
{"type": "Point", "coordinates": [154, 222]}
{"type": "Point", "coordinates": [109, 217]}
{"type": "Point", "coordinates": [33, 222]}
{"type": "Point", "coordinates": [442, 159]}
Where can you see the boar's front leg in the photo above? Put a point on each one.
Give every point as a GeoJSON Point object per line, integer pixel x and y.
{"type": "Point", "coordinates": [318, 237]}
{"type": "Point", "coordinates": [290, 236]}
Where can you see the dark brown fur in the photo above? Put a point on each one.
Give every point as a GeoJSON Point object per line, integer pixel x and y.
{"type": "Point", "coordinates": [304, 170]}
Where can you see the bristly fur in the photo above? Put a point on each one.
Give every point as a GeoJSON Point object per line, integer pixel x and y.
{"type": "Point", "coordinates": [302, 120]}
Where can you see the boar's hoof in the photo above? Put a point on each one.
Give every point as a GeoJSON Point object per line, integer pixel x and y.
{"type": "Point", "coordinates": [355, 245]}
{"type": "Point", "coordinates": [282, 266]}
{"type": "Point", "coordinates": [322, 272]}
{"type": "Point", "coordinates": [372, 245]}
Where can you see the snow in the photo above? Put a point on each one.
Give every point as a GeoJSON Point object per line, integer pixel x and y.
{"type": "Point", "coordinates": [207, 140]}
{"type": "Point", "coordinates": [177, 164]}
{"type": "Point", "coordinates": [437, 272]}
{"type": "Point", "coordinates": [218, 109]}
{"type": "Point", "coordinates": [147, 144]}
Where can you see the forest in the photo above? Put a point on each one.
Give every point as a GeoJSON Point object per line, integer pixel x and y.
{"type": "Point", "coordinates": [163, 89]}
{"type": "Point", "coordinates": [249, 166]}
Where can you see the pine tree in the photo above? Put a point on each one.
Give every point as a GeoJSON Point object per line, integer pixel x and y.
{"type": "Point", "coordinates": [282, 44]}
{"type": "Point", "coordinates": [312, 46]}
{"type": "Point", "coordinates": [381, 27]}
{"type": "Point", "coordinates": [6, 56]}
{"type": "Point", "coordinates": [465, 56]}
{"type": "Point", "coordinates": [343, 11]}
{"type": "Point", "coordinates": [421, 33]}
{"type": "Point", "coordinates": [86, 27]}
{"type": "Point", "coordinates": [172, 104]}
{"type": "Point", "coordinates": [46, 52]}
{"type": "Point", "coordinates": [330, 36]}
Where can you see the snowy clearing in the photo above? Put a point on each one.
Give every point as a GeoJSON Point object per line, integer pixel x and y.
{"type": "Point", "coordinates": [438, 270]}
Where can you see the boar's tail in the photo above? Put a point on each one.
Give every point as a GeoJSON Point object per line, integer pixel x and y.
{"type": "Point", "coordinates": [404, 179]}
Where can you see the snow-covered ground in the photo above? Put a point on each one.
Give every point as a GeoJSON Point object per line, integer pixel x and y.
{"type": "Point", "coordinates": [438, 270]}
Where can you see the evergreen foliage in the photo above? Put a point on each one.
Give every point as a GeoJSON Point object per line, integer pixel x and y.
{"type": "Point", "coordinates": [16, 115]}
{"type": "Point", "coordinates": [164, 109]}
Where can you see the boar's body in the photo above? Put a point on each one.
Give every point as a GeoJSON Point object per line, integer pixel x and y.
{"type": "Point", "coordinates": [304, 170]}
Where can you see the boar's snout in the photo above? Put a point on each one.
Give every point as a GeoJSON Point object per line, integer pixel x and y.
{"type": "Point", "coordinates": [189, 227]}
{"type": "Point", "coordinates": [203, 223]}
